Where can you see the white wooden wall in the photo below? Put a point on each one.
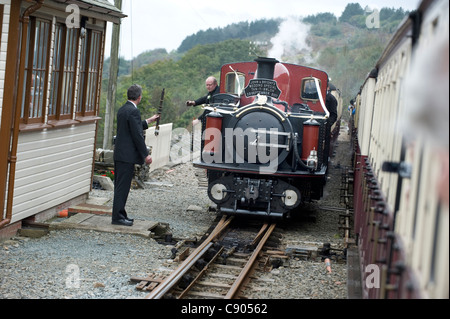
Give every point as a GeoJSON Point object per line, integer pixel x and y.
{"type": "Point", "coordinates": [423, 218]}
{"type": "Point", "coordinates": [53, 167]}
{"type": "Point", "coordinates": [160, 145]}
{"type": "Point", "coordinates": [385, 142]}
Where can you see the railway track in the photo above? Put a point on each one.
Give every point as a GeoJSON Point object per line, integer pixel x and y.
{"type": "Point", "coordinates": [295, 255]}
{"type": "Point", "coordinates": [219, 267]}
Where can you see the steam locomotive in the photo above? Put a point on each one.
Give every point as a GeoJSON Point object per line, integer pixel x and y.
{"type": "Point", "coordinates": [266, 138]}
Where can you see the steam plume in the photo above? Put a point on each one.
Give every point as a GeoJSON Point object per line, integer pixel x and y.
{"type": "Point", "coordinates": [290, 45]}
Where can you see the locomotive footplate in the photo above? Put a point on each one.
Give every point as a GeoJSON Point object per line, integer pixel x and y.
{"type": "Point", "coordinates": [248, 169]}
{"type": "Point", "coordinates": [244, 195]}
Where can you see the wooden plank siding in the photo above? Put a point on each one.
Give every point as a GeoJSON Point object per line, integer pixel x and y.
{"type": "Point", "coordinates": [53, 167]}
{"type": "Point", "coordinates": [423, 217]}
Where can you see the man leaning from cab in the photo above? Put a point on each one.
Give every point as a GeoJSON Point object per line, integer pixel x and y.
{"type": "Point", "coordinates": [213, 89]}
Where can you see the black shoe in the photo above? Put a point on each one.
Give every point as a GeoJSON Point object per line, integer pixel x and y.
{"type": "Point", "coordinates": [122, 216]}
{"type": "Point", "coordinates": [122, 222]}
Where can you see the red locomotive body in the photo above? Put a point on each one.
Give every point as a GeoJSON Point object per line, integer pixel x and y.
{"type": "Point", "coordinates": [262, 155]}
{"type": "Point", "coordinates": [289, 77]}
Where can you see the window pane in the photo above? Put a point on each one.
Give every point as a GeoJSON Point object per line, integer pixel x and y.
{"type": "Point", "coordinates": [82, 75]}
{"type": "Point", "coordinates": [92, 80]}
{"type": "Point", "coordinates": [88, 80]}
{"type": "Point", "coordinates": [68, 81]}
{"type": "Point", "coordinates": [26, 96]}
{"type": "Point", "coordinates": [309, 91]}
{"type": "Point", "coordinates": [233, 84]}
{"type": "Point", "coordinates": [34, 92]}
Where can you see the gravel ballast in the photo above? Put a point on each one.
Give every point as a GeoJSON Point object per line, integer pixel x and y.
{"type": "Point", "coordinates": [86, 264]}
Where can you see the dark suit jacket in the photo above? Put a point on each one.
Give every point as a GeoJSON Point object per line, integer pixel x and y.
{"type": "Point", "coordinates": [207, 98]}
{"type": "Point", "coordinates": [130, 143]}
{"type": "Point", "coordinates": [331, 104]}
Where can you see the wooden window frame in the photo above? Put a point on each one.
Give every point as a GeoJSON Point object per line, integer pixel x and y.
{"type": "Point", "coordinates": [30, 70]}
{"type": "Point", "coordinates": [89, 80]}
{"type": "Point", "coordinates": [66, 55]}
{"type": "Point", "coordinates": [79, 103]}
{"type": "Point", "coordinates": [67, 78]}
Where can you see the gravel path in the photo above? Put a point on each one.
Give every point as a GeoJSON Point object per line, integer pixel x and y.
{"type": "Point", "coordinates": [78, 264]}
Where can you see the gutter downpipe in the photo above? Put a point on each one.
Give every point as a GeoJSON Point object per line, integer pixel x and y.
{"type": "Point", "coordinates": [8, 104]}
{"type": "Point", "coordinates": [13, 142]}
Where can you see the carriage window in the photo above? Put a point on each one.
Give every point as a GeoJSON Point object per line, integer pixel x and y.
{"type": "Point", "coordinates": [309, 91]}
{"type": "Point", "coordinates": [233, 84]}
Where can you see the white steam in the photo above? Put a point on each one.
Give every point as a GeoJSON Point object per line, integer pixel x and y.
{"type": "Point", "coordinates": [289, 45]}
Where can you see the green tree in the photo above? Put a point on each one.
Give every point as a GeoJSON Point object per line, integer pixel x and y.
{"type": "Point", "coordinates": [350, 11]}
{"type": "Point", "coordinates": [326, 17]}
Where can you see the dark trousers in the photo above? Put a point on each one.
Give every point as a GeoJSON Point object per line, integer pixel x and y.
{"type": "Point", "coordinates": [123, 175]}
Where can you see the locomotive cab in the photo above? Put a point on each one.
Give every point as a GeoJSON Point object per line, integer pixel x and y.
{"type": "Point", "coordinates": [263, 143]}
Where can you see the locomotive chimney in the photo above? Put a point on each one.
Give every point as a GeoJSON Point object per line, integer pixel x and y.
{"type": "Point", "coordinates": [266, 68]}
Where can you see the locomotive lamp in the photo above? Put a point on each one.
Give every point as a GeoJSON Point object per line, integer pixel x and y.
{"type": "Point", "coordinates": [218, 192]}
{"type": "Point", "coordinates": [291, 198]}
{"type": "Point", "coordinates": [313, 160]}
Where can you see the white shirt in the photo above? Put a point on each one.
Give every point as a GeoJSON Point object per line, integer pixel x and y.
{"type": "Point", "coordinates": [133, 103]}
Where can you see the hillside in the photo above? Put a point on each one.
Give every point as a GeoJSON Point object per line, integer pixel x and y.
{"type": "Point", "coordinates": [345, 47]}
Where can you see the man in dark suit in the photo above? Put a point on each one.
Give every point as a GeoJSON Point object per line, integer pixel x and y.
{"type": "Point", "coordinates": [331, 104]}
{"type": "Point", "coordinates": [129, 149]}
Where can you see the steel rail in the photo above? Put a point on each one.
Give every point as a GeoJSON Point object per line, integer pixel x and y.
{"type": "Point", "coordinates": [238, 284]}
{"type": "Point", "coordinates": [200, 275]}
{"type": "Point", "coordinates": [175, 276]}
{"type": "Point", "coordinates": [260, 234]}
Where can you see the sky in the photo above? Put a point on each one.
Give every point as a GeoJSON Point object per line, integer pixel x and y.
{"type": "Point", "coordinates": [153, 24]}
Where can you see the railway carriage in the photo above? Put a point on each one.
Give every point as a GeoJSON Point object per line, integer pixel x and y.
{"type": "Point", "coordinates": [401, 162]}
{"type": "Point", "coordinates": [266, 138]}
